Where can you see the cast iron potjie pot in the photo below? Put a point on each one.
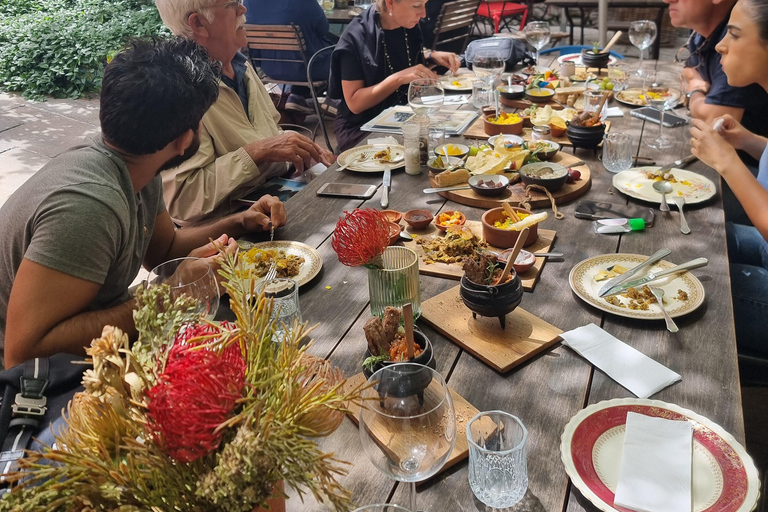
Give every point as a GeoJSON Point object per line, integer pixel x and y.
{"type": "Point", "coordinates": [486, 300]}
{"type": "Point", "coordinates": [426, 357]}
{"type": "Point", "coordinates": [585, 136]}
{"type": "Point", "coordinates": [595, 60]}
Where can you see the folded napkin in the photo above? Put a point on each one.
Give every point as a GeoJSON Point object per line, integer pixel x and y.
{"type": "Point", "coordinates": [655, 474]}
{"type": "Point", "coordinates": [613, 112]}
{"type": "Point", "coordinates": [635, 371]}
{"type": "Point", "coordinates": [388, 140]}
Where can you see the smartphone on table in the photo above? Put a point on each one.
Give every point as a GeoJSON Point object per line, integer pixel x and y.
{"type": "Point", "coordinates": [652, 115]}
{"type": "Point", "coordinates": [347, 190]}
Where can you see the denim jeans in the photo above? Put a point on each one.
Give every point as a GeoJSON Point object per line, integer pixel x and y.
{"type": "Point", "coordinates": [748, 252]}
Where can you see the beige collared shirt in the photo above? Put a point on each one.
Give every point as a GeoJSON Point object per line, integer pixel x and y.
{"type": "Point", "coordinates": [221, 171]}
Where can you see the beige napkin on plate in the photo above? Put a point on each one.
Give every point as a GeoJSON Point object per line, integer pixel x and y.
{"type": "Point", "coordinates": [635, 371]}
{"type": "Point", "coordinates": [655, 474]}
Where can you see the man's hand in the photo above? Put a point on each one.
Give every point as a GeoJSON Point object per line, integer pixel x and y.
{"type": "Point", "coordinates": [447, 59]}
{"type": "Point", "coordinates": [289, 147]}
{"type": "Point", "coordinates": [210, 252]}
{"type": "Point", "coordinates": [267, 209]}
{"type": "Point", "coordinates": [692, 81]}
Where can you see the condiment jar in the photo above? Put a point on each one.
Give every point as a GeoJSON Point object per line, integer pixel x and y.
{"type": "Point", "coordinates": [411, 133]}
{"type": "Point", "coordinates": [567, 69]}
{"type": "Point", "coordinates": [541, 133]}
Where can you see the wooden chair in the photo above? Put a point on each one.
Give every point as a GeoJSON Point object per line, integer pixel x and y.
{"type": "Point", "coordinates": [284, 42]}
{"type": "Point", "coordinates": [455, 22]}
{"type": "Point", "coordinates": [496, 12]}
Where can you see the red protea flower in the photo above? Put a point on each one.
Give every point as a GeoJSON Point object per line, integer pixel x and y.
{"type": "Point", "coordinates": [197, 392]}
{"type": "Point", "coordinates": [360, 238]}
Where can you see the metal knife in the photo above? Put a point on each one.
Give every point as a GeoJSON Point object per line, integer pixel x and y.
{"type": "Point", "coordinates": [677, 163]}
{"type": "Point", "coordinates": [271, 231]}
{"type": "Point", "coordinates": [445, 189]}
{"type": "Point", "coordinates": [683, 267]}
{"type": "Point", "coordinates": [386, 182]}
{"type": "Point", "coordinates": [629, 273]}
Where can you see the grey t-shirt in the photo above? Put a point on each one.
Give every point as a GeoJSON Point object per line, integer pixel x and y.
{"type": "Point", "coordinates": [79, 215]}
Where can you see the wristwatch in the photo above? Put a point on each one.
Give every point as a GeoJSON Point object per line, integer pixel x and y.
{"type": "Point", "coordinates": [688, 96]}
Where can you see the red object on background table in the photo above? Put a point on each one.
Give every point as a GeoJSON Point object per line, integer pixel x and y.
{"type": "Point", "coordinates": [498, 10]}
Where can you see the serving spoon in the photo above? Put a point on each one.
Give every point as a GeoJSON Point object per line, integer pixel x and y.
{"type": "Point", "coordinates": [663, 188]}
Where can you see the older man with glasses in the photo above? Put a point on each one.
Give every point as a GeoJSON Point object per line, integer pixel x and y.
{"type": "Point", "coordinates": [241, 145]}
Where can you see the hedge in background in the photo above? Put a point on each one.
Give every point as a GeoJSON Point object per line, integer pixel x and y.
{"type": "Point", "coordinates": [59, 47]}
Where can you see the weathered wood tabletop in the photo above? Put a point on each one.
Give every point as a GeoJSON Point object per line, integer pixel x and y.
{"type": "Point", "coordinates": [546, 391]}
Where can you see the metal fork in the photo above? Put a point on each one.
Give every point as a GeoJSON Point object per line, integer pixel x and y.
{"type": "Point", "coordinates": [271, 273]}
{"type": "Point", "coordinates": [362, 157]}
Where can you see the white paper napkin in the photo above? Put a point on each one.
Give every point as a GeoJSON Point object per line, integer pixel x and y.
{"type": "Point", "coordinates": [613, 112]}
{"type": "Point", "coordinates": [388, 140]}
{"type": "Point", "coordinates": [655, 474]}
{"type": "Point", "coordinates": [635, 371]}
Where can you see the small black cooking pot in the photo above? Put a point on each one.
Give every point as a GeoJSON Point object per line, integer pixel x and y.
{"type": "Point", "coordinates": [486, 300]}
{"type": "Point", "coordinates": [595, 60]}
{"type": "Point", "coordinates": [585, 136]}
{"type": "Point", "coordinates": [426, 357]}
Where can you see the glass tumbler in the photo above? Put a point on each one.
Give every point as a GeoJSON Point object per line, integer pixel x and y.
{"type": "Point", "coordinates": [286, 311]}
{"type": "Point", "coordinates": [498, 469]}
{"type": "Point", "coordinates": [592, 99]}
{"type": "Point", "coordinates": [397, 283]}
{"type": "Point", "coordinates": [481, 94]}
{"type": "Point", "coordinates": [617, 151]}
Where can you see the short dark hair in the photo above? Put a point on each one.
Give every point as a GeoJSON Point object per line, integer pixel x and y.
{"type": "Point", "coordinates": [155, 90]}
{"type": "Point", "coordinates": [759, 11]}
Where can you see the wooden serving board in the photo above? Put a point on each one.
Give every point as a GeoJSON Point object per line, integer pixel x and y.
{"type": "Point", "coordinates": [477, 131]}
{"type": "Point", "coordinates": [465, 411]}
{"type": "Point", "coordinates": [454, 271]}
{"type": "Point", "coordinates": [525, 335]}
{"type": "Point", "coordinates": [516, 193]}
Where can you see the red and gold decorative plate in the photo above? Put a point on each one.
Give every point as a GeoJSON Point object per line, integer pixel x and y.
{"type": "Point", "coordinates": [724, 477]}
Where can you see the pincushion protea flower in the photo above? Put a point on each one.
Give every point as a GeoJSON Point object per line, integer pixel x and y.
{"type": "Point", "coordinates": [360, 238]}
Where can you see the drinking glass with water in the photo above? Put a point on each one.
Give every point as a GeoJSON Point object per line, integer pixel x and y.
{"type": "Point", "coordinates": [617, 151]}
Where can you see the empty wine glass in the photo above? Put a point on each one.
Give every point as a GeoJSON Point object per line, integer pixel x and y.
{"type": "Point", "coordinates": [642, 34]}
{"type": "Point", "coordinates": [661, 97]}
{"type": "Point", "coordinates": [488, 65]}
{"type": "Point", "coordinates": [192, 277]}
{"type": "Point", "coordinates": [407, 423]}
{"type": "Point", "coordinates": [537, 33]}
{"type": "Point", "coordinates": [426, 96]}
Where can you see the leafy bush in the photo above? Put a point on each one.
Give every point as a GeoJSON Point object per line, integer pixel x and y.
{"type": "Point", "coordinates": [59, 47]}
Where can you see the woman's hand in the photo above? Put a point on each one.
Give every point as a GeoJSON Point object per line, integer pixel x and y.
{"type": "Point", "coordinates": [446, 59]}
{"type": "Point", "coordinates": [416, 72]}
{"type": "Point", "coordinates": [711, 148]}
{"type": "Point", "coordinates": [733, 132]}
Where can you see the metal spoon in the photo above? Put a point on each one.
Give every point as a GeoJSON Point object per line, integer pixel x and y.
{"type": "Point", "coordinates": [680, 202]}
{"type": "Point", "coordinates": [664, 188]}
{"type": "Point", "coordinates": [405, 235]}
{"type": "Point", "coordinates": [659, 294]}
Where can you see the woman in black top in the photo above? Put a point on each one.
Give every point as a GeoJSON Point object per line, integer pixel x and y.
{"type": "Point", "coordinates": [378, 55]}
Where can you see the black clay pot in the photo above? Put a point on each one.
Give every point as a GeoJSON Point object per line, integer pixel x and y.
{"type": "Point", "coordinates": [595, 60]}
{"type": "Point", "coordinates": [487, 300]}
{"type": "Point", "coordinates": [426, 357]}
{"type": "Point", "coordinates": [585, 136]}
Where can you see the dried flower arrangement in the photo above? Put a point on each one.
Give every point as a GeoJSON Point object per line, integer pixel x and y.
{"type": "Point", "coordinates": [194, 416]}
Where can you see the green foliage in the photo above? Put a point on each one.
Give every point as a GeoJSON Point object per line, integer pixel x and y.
{"type": "Point", "coordinates": [59, 47]}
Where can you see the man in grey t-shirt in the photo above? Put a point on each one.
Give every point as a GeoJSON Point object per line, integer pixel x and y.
{"type": "Point", "coordinates": [73, 237]}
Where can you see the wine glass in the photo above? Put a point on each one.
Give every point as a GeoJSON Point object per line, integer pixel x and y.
{"type": "Point", "coordinates": [537, 33]}
{"type": "Point", "coordinates": [407, 423]}
{"type": "Point", "coordinates": [426, 96]}
{"type": "Point", "coordinates": [192, 277]}
{"type": "Point", "coordinates": [642, 34]}
{"type": "Point", "coordinates": [488, 65]}
{"type": "Point", "coordinates": [660, 97]}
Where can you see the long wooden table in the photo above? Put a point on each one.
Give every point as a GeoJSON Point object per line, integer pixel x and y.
{"type": "Point", "coordinates": [546, 391]}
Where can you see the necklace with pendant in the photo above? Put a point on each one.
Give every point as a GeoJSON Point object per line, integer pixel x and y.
{"type": "Point", "coordinates": [400, 94]}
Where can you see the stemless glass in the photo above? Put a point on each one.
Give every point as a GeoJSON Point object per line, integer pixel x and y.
{"type": "Point", "coordinates": [660, 97]}
{"type": "Point", "coordinates": [481, 94]}
{"type": "Point", "coordinates": [426, 96]}
{"type": "Point", "coordinates": [642, 34]}
{"type": "Point", "coordinates": [408, 423]}
{"type": "Point", "coordinates": [192, 277]}
{"type": "Point", "coordinates": [498, 469]}
{"type": "Point", "coordinates": [397, 283]}
{"type": "Point", "coordinates": [537, 33]}
{"type": "Point", "coordinates": [617, 151]}
{"type": "Point", "coordinates": [285, 311]}
{"type": "Point", "coordinates": [488, 65]}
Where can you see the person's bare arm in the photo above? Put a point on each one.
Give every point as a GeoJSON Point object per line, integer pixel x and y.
{"type": "Point", "coordinates": [46, 314]}
{"type": "Point", "coordinates": [697, 103]}
{"type": "Point", "coordinates": [360, 98]}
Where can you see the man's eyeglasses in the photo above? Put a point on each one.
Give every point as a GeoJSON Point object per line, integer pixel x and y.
{"type": "Point", "coordinates": [233, 3]}
{"type": "Point", "coordinates": [684, 55]}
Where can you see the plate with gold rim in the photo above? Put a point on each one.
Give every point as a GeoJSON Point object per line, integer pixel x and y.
{"type": "Point", "coordinates": [694, 187]}
{"type": "Point", "coordinates": [372, 157]}
{"type": "Point", "coordinates": [308, 270]}
{"type": "Point", "coordinates": [724, 477]}
{"type": "Point", "coordinates": [683, 293]}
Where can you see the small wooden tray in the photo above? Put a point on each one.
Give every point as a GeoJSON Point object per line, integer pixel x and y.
{"type": "Point", "coordinates": [454, 271]}
{"type": "Point", "coordinates": [525, 336]}
{"type": "Point", "coordinates": [516, 193]}
{"type": "Point", "coordinates": [464, 412]}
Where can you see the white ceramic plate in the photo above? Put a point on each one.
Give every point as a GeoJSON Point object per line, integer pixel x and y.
{"type": "Point", "coordinates": [457, 83]}
{"type": "Point", "coordinates": [507, 138]}
{"type": "Point", "coordinates": [361, 159]}
{"type": "Point", "coordinates": [694, 187]}
{"type": "Point", "coordinates": [313, 262]}
{"type": "Point", "coordinates": [582, 281]}
{"type": "Point", "coordinates": [576, 59]}
{"type": "Point", "coordinates": [632, 98]}
{"type": "Point", "coordinates": [724, 477]}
